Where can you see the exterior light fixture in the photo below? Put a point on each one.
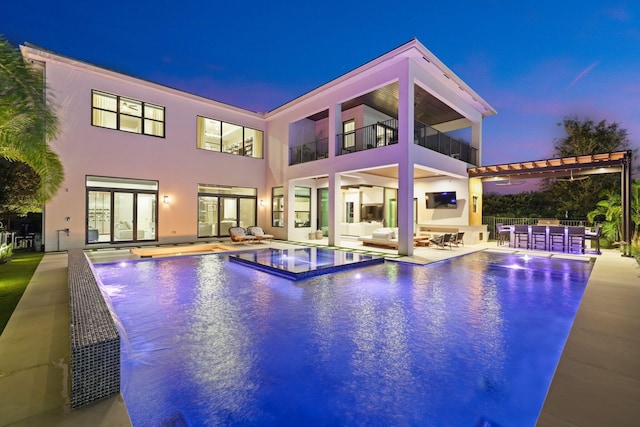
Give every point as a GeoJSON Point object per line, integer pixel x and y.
{"type": "Point", "coordinates": [166, 200]}
{"type": "Point", "coordinates": [262, 203]}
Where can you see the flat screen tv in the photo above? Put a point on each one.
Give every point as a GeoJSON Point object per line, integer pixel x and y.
{"type": "Point", "coordinates": [441, 200]}
{"type": "Point", "coordinates": [372, 212]}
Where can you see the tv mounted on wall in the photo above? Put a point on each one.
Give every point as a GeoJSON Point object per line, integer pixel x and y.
{"type": "Point", "coordinates": [441, 200]}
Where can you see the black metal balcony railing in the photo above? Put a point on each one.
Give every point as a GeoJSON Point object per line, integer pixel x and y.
{"type": "Point", "coordinates": [377, 135]}
{"type": "Point", "coordinates": [428, 137]}
{"type": "Point", "coordinates": [307, 152]}
{"type": "Point", "coordinates": [382, 134]}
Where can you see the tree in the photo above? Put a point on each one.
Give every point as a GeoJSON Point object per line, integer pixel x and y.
{"type": "Point", "coordinates": [635, 209]}
{"type": "Point", "coordinates": [27, 121]}
{"type": "Point", "coordinates": [609, 210]}
{"type": "Point", "coordinates": [525, 204]}
{"type": "Point", "coordinates": [19, 190]}
{"type": "Point", "coordinates": [584, 137]}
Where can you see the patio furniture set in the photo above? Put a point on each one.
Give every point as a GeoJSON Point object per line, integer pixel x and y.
{"type": "Point", "coordinates": [548, 237]}
{"type": "Point", "coordinates": [388, 237]}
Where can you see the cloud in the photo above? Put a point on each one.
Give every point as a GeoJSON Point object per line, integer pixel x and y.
{"type": "Point", "coordinates": [582, 74]}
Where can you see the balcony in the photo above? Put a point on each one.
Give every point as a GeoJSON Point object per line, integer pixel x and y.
{"type": "Point", "coordinates": [382, 134]}
{"type": "Point", "coordinates": [310, 151]}
{"type": "Point", "coordinates": [428, 137]}
{"type": "Point", "coordinates": [378, 135]}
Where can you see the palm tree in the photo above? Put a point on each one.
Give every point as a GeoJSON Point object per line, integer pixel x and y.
{"type": "Point", "coordinates": [610, 207]}
{"type": "Point", "coordinates": [635, 209]}
{"type": "Point", "coordinates": [27, 121]}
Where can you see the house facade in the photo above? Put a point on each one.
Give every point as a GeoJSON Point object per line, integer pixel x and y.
{"type": "Point", "coordinates": [377, 147]}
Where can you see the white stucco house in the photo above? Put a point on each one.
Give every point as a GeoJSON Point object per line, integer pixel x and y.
{"type": "Point", "coordinates": [147, 164]}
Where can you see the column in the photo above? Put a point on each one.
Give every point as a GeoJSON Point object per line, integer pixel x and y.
{"type": "Point", "coordinates": [334, 208]}
{"type": "Point", "coordinates": [476, 140]}
{"type": "Point", "coordinates": [405, 164]}
{"type": "Point", "coordinates": [335, 127]}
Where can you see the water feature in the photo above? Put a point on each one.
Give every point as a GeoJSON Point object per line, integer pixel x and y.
{"type": "Point", "coordinates": [302, 263]}
{"type": "Point", "coordinates": [465, 341]}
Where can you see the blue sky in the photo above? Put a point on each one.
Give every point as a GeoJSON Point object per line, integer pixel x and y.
{"type": "Point", "coordinates": [534, 62]}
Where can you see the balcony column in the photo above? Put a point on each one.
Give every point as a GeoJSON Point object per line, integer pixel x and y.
{"type": "Point", "coordinates": [406, 92]}
{"type": "Point", "coordinates": [335, 208]}
{"type": "Point", "coordinates": [335, 127]}
{"type": "Point", "coordinates": [476, 141]}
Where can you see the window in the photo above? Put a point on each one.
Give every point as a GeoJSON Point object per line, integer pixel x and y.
{"type": "Point", "coordinates": [121, 210]}
{"type": "Point", "coordinates": [348, 129]}
{"type": "Point", "coordinates": [215, 135]}
{"type": "Point", "coordinates": [126, 114]}
{"type": "Point", "coordinates": [302, 207]}
{"type": "Point", "coordinates": [277, 207]}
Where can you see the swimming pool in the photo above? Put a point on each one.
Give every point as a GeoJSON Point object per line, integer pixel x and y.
{"type": "Point", "coordinates": [473, 338]}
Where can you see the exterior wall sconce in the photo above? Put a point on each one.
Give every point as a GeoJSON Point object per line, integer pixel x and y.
{"type": "Point", "coordinates": [475, 204]}
{"type": "Point", "coordinates": [166, 200]}
{"type": "Point", "coordinates": [262, 203]}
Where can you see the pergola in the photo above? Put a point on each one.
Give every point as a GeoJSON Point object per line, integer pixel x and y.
{"type": "Point", "coordinates": [592, 164]}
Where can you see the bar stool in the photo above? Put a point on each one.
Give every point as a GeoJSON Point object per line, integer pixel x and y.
{"type": "Point", "coordinates": [575, 239]}
{"type": "Point", "coordinates": [556, 237]}
{"type": "Point", "coordinates": [504, 234]}
{"type": "Point", "coordinates": [539, 235]}
{"type": "Point", "coordinates": [595, 237]}
{"type": "Point", "coordinates": [521, 233]}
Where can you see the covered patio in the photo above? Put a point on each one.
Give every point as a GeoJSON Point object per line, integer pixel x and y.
{"type": "Point", "coordinates": [572, 168]}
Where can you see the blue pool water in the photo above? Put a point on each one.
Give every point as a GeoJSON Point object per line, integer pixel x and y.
{"type": "Point", "coordinates": [302, 263]}
{"type": "Point", "coordinates": [472, 339]}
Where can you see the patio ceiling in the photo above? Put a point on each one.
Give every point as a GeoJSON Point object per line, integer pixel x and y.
{"type": "Point", "coordinates": [428, 109]}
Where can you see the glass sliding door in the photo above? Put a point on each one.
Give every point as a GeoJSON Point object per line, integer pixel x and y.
{"type": "Point", "coordinates": [121, 210]}
{"type": "Point", "coordinates": [277, 207]}
{"type": "Point", "coordinates": [123, 213]}
{"type": "Point", "coordinates": [228, 214]}
{"type": "Point", "coordinates": [222, 207]}
{"type": "Point", "coordinates": [323, 210]}
{"type": "Point", "coordinates": [207, 216]}
{"type": "Point", "coordinates": [391, 205]}
{"type": "Point", "coordinates": [99, 216]}
{"type": "Point", "coordinates": [146, 217]}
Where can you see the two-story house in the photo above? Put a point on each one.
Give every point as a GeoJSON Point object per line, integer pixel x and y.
{"type": "Point", "coordinates": [148, 164]}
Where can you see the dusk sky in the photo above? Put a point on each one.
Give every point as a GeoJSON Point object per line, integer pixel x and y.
{"type": "Point", "coordinates": [534, 62]}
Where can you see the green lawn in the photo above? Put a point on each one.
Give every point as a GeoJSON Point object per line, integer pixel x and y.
{"type": "Point", "coordinates": [14, 278]}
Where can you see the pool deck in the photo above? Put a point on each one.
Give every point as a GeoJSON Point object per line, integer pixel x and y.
{"type": "Point", "coordinates": [597, 381]}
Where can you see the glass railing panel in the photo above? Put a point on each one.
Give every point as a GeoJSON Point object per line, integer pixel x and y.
{"type": "Point", "coordinates": [310, 151]}
{"type": "Point", "coordinates": [428, 137]}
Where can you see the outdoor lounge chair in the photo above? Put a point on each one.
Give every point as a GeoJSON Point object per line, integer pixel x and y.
{"type": "Point", "coordinates": [238, 234]}
{"type": "Point", "coordinates": [442, 240]}
{"type": "Point", "coordinates": [456, 239]}
{"type": "Point", "coordinates": [259, 234]}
